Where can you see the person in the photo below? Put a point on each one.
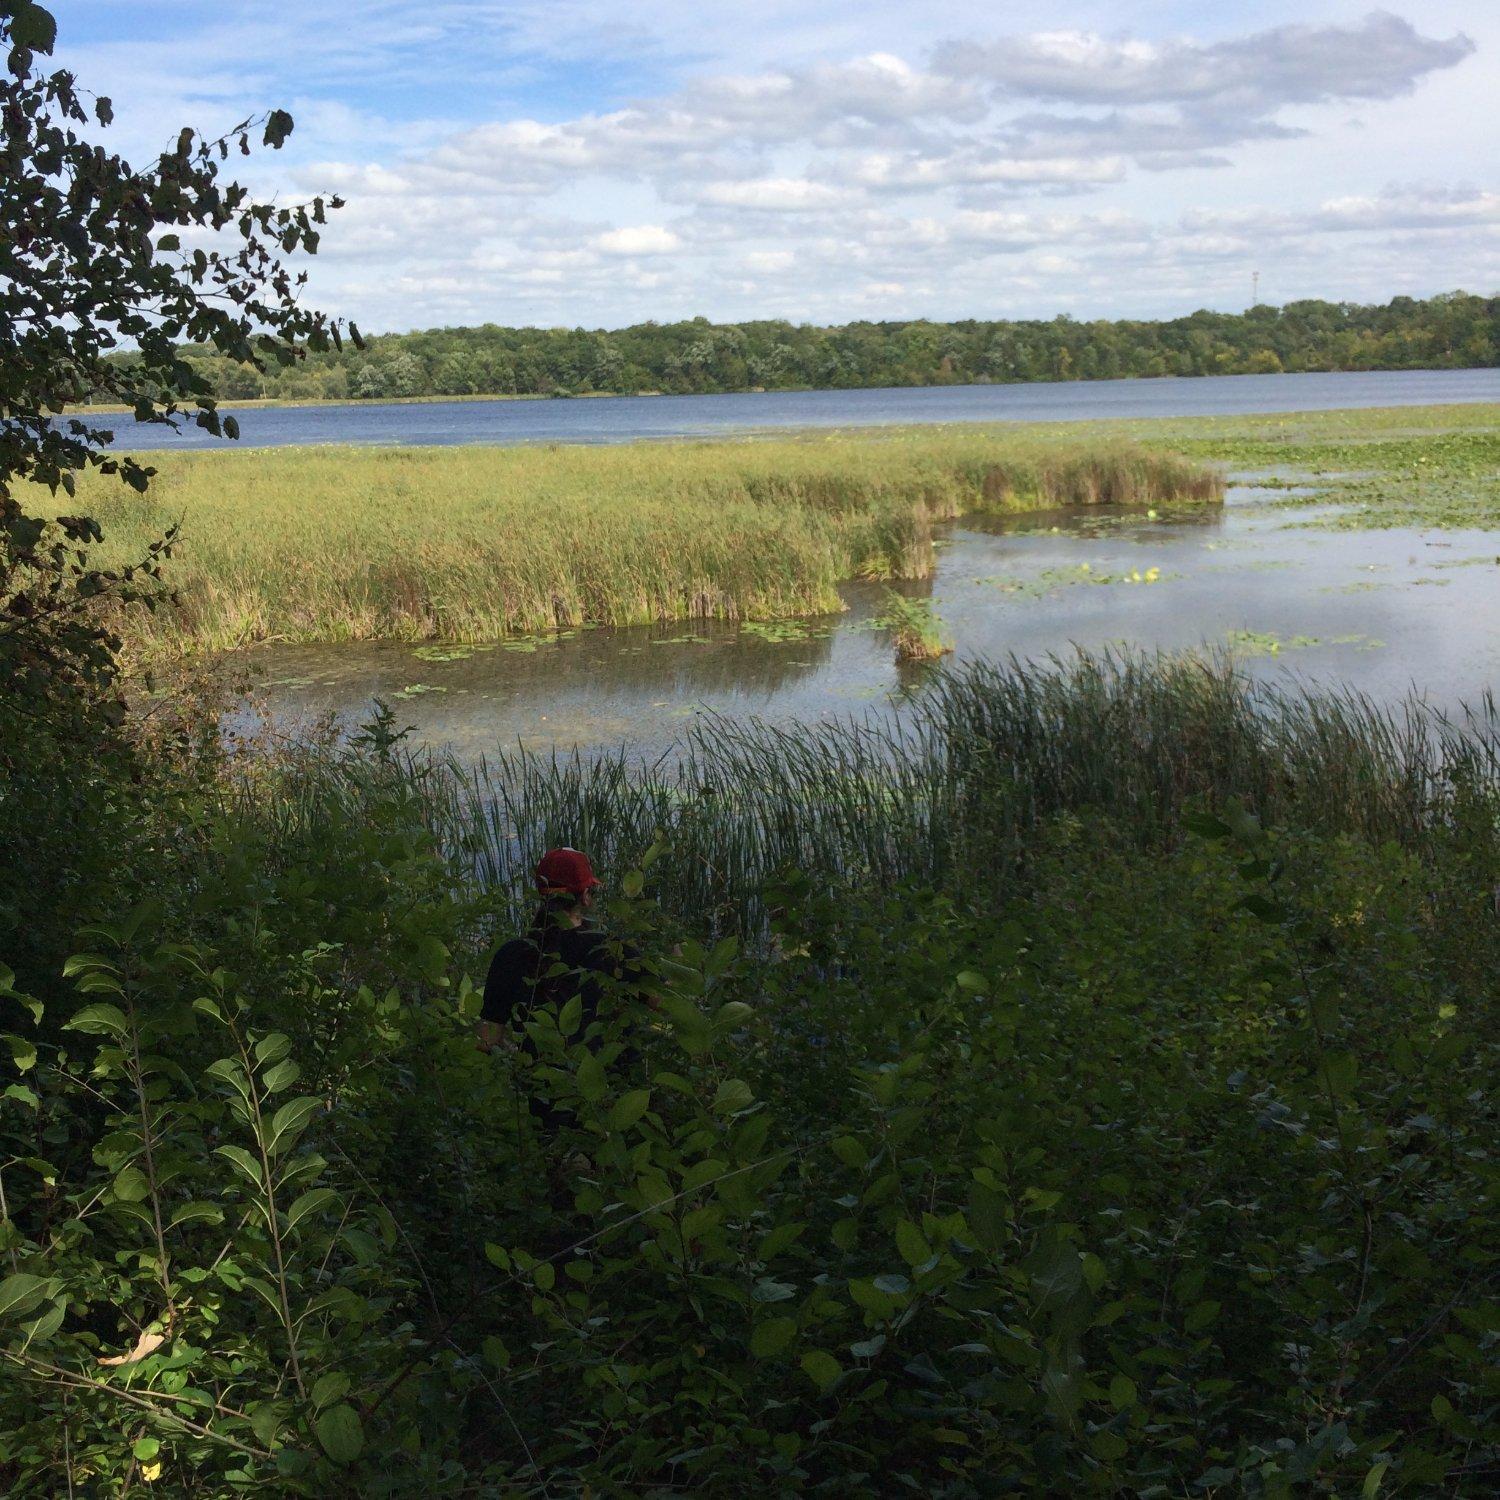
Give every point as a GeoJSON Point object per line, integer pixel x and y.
{"type": "Point", "coordinates": [562, 955]}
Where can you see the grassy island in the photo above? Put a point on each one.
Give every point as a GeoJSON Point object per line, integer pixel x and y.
{"type": "Point", "coordinates": [470, 543]}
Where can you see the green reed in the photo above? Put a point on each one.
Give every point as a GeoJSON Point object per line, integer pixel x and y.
{"type": "Point", "coordinates": [472, 543]}
{"type": "Point", "coordinates": [960, 783]}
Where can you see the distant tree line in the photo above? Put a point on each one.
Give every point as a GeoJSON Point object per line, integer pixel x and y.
{"type": "Point", "coordinates": [1455, 330]}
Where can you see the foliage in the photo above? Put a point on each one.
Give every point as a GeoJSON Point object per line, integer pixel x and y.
{"type": "Point", "coordinates": [1453, 331]}
{"type": "Point", "coordinates": [1424, 466]}
{"type": "Point", "coordinates": [1126, 1146]}
{"type": "Point", "coordinates": [92, 261]}
{"type": "Point", "coordinates": [470, 543]}
{"type": "Point", "coordinates": [915, 629]}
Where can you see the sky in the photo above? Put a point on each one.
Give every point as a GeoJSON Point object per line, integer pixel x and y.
{"type": "Point", "coordinates": [600, 162]}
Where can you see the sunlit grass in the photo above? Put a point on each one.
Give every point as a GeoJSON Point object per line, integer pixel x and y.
{"type": "Point", "coordinates": [471, 543]}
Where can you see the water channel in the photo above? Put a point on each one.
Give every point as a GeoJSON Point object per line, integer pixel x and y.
{"type": "Point", "coordinates": [1380, 611]}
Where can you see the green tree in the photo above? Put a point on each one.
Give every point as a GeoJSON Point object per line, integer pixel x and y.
{"type": "Point", "coordinates": [92, 261]}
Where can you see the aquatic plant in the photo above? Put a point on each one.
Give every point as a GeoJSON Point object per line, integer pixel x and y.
{"type": "Point", "coordinates": [915, 630]}
{"type": "Point", "coordinates": [979, 759]}
{"type": "Point", "coordinates": [475, 544]}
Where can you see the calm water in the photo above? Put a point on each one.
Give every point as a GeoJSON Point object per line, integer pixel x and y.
{"type": "Point", "coordinates": [617, 419]}
{"type": "Point", "coordinates": [1382, 611]}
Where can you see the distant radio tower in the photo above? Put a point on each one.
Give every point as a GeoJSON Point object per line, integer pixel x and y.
{"type": "Point", "coordinates": [1255, 289]}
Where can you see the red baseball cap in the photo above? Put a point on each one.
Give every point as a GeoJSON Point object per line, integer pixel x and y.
{"type": "Point", "coordinates": [566, 870]}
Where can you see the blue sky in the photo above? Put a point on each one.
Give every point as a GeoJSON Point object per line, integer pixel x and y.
{"type": "Point", "coordinates": [560, 162]}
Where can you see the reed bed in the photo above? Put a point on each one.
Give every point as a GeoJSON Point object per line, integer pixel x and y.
{"type": "Point", "coordinates": [471, 543]}
{"type": "Point", "coordinates": [951, 795]}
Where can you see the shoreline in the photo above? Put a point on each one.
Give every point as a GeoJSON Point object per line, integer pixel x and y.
{"type": "Point", "coordinates": [294, 403]}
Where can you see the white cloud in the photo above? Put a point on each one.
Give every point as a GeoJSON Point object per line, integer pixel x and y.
{"type": "Point", "coordinates": [1379, 58]}
{"type": "Point", "coordinates": [818, 160]}
{"type": "Point", "coordinates": [638, 239]}
{"type": "Point", "coordinates": [774, 195]}
{"type": "Point", "coordinates": [979, 165]}
{"type": "Point", "coordinates": [769, 260]}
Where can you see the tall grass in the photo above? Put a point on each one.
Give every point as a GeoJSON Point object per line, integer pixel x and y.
{"type": "Point", "coordinates": [954, 793]}
{"type": "Point", "coordinates": [916, 632]}
{"type": "Point", "coordinates": [470, 543]}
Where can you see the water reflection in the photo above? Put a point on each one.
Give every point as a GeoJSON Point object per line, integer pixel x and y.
{"type": "Point", "coordinates": [1383, 611]}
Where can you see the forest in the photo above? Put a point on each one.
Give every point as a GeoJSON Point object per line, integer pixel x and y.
{"type": "Point", "coordinates": [1453, 331]}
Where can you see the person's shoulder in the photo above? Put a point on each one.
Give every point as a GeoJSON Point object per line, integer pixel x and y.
{"type": "Point", "coordinates": [513, 952]}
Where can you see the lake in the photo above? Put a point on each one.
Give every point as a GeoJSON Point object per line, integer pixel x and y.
{"type": "Point", "coordinates": [619, 419]}
{"type": "Point", "coordinates": [1380, 611]}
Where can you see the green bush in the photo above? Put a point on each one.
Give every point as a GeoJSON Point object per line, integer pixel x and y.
{"type": "Point", "coordinates": [1124, 1145]}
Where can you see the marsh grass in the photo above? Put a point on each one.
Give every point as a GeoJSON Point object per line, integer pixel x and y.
{"type": "Point", "coordinates": [915, 630]}
{"type": "Point", "coordinates": [470, 544]}
{"type": "Point", "coordinates": [964, 782]}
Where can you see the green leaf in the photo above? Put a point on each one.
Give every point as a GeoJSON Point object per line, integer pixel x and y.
{"type": "Point", "coordinates": [591, 1080]}
{"type": "Point", "coordinates": [822, 1369]}
{"type": "Point", "coordinates": [190, 1213]}
{"type": "Point", "coordinates": [912, 1244]}
{"type": "Point", "coordinates": [290, 1121]}
{"type": "Point", "coordinates": [265, 1291]}
{"type": "Point", "coordinates": [8, 991]}
{"type": "Point", "coordinates": [1371, 1487]}
{"type": "Point", "coordinates": [282, 1076]}
{"type": "Point", "coordinates": [311, 1202]}
{"type": "Point", "coordinates": [340, 1433]}
{"type": "Point", "coordinates": [1340, 1071]}
{"type": "Point", "coordinates": [333, 1386]}
{"type": "Point", "coordinates": [1122, 1392]}
{"type": "Point", "coordinates": [868, 1348]}
{"type": "Point", "coordinates": [131, 1185]}
{"type": "Point", "coordinates": [20, 1293]}
{"type": "Point", "coordinates": [278, 128]}
{"type": "Point", "coordinates": [33, 28]}
{"type": "Point", "coordinates": [850, 1150]}
{"type": "Point", "coordinates": [266, 1419]}
{"type": "Point", "coordinates": [629, 1108]}
{"type": "Point", "coordinates": [1201, 1315]}
{"type": "Point", "coordinates": [1205, 825]}
{"type": "Point", "coordinates": [1262, 907]}
{"type": "Point", "coordinates": [169, 242]}
{"type": "Point", "coordinates": [249, 1167]}
{"type": "Point", "coordinates": [97, 982]}
{"type": "Point", "coordinates": [272, 1048]}
{"type": "Point", "coordinates": [770, 1338]}
{"type": "Point", "coordinates": [975, 984]}
{"type": "Point", "coordinates": [767, 1289]}
{"type": "Point", "coordinates": [778, 1239]}
{"type": "Point", "coordinates": [873, 1298]}
{"type": "Point", "coordinates": [732, 1095]}
{"type": "Point", "coordinates": [145, 1449]}
{"type": "Point", "coordinates": [22, 1051]}
{"type": "Point", "coordinates": [99, 1020]}
{"type": "Point", "coordinates": [570, 1015]}
{"type": "Point", "coordinates": [432, 958]}
{"type": "Point", "coordinates": [633, 883]}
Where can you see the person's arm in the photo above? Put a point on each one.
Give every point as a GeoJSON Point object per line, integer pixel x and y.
{"type": "Point", "coordinates": [503, 994]}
